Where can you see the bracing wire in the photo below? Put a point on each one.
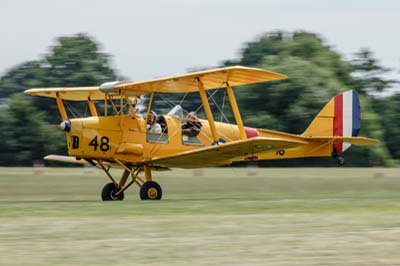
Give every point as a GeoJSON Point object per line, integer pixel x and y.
{"type": "Point", "coordinates": [183, 98]}
{"type": "Point", "coordinates": [223, 105]}
{"type": "Point", "coordinates": [201, 105]}
{"type": "Point", "coordinates": [222, 113]}
{"type": "Point", "coordinates": [167, 101]}
{"type": "Point", "coordinates": [86, 108]}
{"type": "Point", "coordinates": [72, 110]}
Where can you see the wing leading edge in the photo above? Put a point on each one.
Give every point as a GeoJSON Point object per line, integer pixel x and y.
{"type": "Point", "coordinates": [70, 94]}
{"type": "Point", "coordinates": [211, 79]}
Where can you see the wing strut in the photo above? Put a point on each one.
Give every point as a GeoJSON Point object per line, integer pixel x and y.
{"type": "Point", "coordinates": [207, 110]}
{"type": "Point", "coordinates": [92, 107]}
{"type": "Point", "coordinates": [235, 110]}
{"type": "Point", "coordinates": [61, 107]}
{"type": "Point", "coordinates": [149, 106]}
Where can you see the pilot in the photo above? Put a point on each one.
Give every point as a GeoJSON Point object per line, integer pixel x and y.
{"type": "Point", "coordinates": [192, 126]}
{"type": "Point", "coordinates": [152, 125]}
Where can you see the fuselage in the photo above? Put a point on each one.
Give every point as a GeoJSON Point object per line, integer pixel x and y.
{"type": "Point", "coordinates": [124, 137]}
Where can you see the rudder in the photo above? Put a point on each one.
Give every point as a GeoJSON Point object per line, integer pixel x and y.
{"type": "Point", "coordinates": [339, 117]}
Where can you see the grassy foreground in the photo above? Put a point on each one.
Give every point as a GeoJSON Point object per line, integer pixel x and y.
{"type": "Point", "coordinates": [225, 216]}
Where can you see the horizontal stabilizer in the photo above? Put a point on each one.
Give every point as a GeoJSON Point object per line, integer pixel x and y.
{"type": "Point", "coordinates": [361, 141]}
{"type": "Point", "coordinates": [224, 153]}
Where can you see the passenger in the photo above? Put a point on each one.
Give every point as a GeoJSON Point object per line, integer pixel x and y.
{"type": "Point", "coordinates": [152, 125]}
{"type": "Point", "coordinates": [192, 126]}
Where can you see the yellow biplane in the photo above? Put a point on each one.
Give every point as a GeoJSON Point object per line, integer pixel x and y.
{"type": "Point", "coordinates": [120, 137]}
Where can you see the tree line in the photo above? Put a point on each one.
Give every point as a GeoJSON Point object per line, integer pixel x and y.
{"type": "Point", "coordinates": [316, 73]}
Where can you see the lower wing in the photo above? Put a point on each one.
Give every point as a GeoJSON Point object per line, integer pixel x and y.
{"type": "Point", "coordinates": [224, 153]}
{"type": "Point", "coordinates": [65, 159]}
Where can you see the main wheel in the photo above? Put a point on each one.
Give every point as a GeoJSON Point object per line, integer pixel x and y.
{"type": "Point", "coordinates": [150, 191]}
{"type": "Point", "coordinates": [108, 193]}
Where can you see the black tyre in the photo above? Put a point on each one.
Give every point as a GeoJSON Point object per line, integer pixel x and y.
{"type": "Point", "coordinates": [150, 191]}
{"type": "Point", "coordinates": [108, 193]}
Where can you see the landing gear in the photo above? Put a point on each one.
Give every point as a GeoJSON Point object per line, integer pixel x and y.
{"type": "Point", "coordinates": [108, 193]}
{"type": "Point", "coordinates": [149, 190]}
{"type": "Point", "coordinates": [340, 161]}
{"type": "Point", "coordinates": [339, 158]}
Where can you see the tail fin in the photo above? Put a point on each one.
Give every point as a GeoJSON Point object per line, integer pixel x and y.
{"type": "Point", "coordinates": [340, 117]}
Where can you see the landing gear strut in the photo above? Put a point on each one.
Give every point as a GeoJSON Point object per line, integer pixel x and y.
{"type": "Point", "coordinates": [149, 190]}
{"type": "Point", "coordinates": [339, 158]}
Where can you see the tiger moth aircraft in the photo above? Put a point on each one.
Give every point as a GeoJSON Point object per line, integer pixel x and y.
{"type": "Point", "coordinates": [119, 136]}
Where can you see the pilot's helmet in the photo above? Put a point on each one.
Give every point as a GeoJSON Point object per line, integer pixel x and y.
{"type": "Point", "coordinates": [191, 116]}
{"type": "Point", "coordinates": [154, 115]}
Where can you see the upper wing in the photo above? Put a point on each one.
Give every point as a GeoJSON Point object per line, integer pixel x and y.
{"type": "Point", "coordinates": [224, 153]}
{"type": "Point", "coordinates": [211, 79]}
{"type": "Point", "coordinates": [71, 94]}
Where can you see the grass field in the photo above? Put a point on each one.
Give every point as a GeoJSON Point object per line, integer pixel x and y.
{"type": "Point", "coordinates": [225, 216]}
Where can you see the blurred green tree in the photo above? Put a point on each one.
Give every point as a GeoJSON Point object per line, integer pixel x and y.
{"type": "Point", "coordinates": [73, 61]}
{"type": "Point", "coordinates": [27, 132]}
{"type": "Point", "coordinates": [390, 115]}
{"type": "Point", "coordinates": [368, 73]}
{"type": "Point", "coordinates": [21, 77]}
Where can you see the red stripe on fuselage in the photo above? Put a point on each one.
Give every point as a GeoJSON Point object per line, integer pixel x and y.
{"type": "Point", "coordinates": [250, 132]}
{"type": "Point", "coordinates": [338, 121]}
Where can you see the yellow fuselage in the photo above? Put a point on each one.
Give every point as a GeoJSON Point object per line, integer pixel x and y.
{"type": "Point", "coordinates": [125, 138]}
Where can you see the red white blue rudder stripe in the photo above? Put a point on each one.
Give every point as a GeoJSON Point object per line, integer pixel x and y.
{"type": "Point", "coordinates": [347, 117]}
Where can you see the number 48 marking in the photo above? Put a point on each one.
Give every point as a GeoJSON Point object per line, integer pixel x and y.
{"type": "Point", "coordinates": [104, 143]}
